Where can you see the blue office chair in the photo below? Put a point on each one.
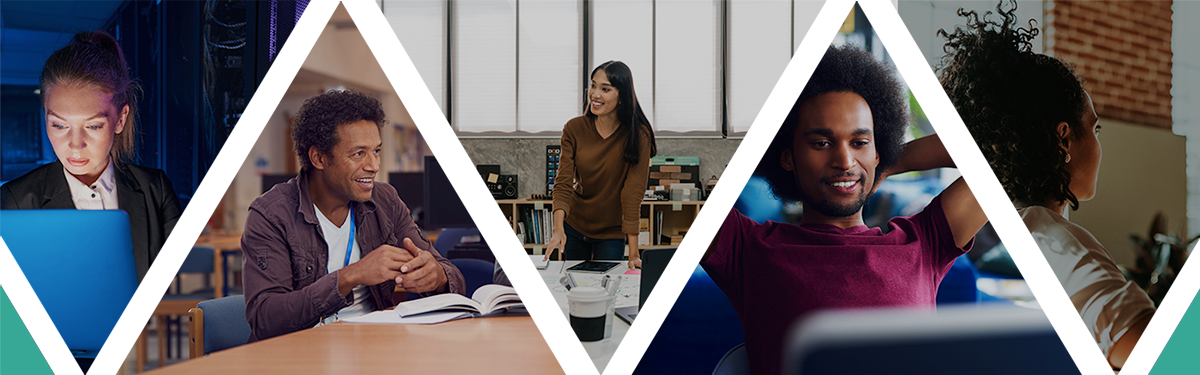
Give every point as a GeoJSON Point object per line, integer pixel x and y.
{"type": "Point", "coordinates": [199, 261]}
{"type": "Point", "coordinates": [451, 237]}
{"type": "Point", "coordinates": [448, 244]}
{"type": "Point", "coordinates": [699, 330]}
{"type": "Point", "coordinates": [476, 272]}
{"type": "Point", "coordinates": [734, 362]}
{"type": "Point", "coordinates": [217, 325]}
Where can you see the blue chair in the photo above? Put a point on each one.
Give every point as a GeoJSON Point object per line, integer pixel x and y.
{"type": "Point", "coordinates": [476, 272]}
{"type": "Point", "coordinates": [449, 241]}
{"type": "Point", "coordinates": [451, 237]}
{"type": "Point", "coordinates": [217, 325]}
{"type": "Point", "coordinates": [699, 330]}
{"type": "Point", "coordinates": [734, 362]}
{"type": "Point", "coordinates": [199, 261]}
{"type": "Point", "coordinates": [959, 285]}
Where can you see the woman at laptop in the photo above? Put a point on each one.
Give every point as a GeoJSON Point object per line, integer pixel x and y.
{"type": "Point", "coordinates": [90, 103]}
{"type": "Point", "coordinates": [602, 172]}
{"type": "Point", "coordinates": [1035, 124]}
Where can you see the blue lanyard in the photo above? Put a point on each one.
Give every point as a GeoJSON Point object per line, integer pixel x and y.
{"type": "Point", "coordinates": [350, 244]}
{"type": "Point", "coordinates": [349, 249]}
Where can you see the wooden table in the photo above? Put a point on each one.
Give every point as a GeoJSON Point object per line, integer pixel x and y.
{"type": "Point", "coordinates": [221, 244]}
{"type": "Point", "coordinates": [496, 345]}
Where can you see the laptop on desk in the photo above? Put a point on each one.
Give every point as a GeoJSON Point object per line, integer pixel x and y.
{"type": "Point", "coordinates": [974, 339]}
{"type": "Point", "coordinates": [80, 264]}
{"type": "Point", "coordinates": [654, 262]}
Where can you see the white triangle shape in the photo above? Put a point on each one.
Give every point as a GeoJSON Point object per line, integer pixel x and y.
{"type": "Point", "coordinates": [959, 143]}
{"type": "Point", "coordinates": [442, 140]}
{"type": "Point", "coordinates": [1039, 276]}
{"type": "Point", "coordinates": [129, 326]}
{"type": "Point", "coordinates": [971, 163]}
{"type": "Point", "coordinates": [1166, 319]}
{"type": "Point", "coordinates": [737, 173]}
{"type": "Point", "coordinates": [34, 315]}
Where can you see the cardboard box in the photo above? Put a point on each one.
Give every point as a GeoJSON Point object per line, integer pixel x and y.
{"type": "Point", "coordinates": [665, 170]}
{"type": "Point", "coordinates": [684, 192]}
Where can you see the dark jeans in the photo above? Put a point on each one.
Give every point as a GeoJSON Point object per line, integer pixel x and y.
{"type": "Point", "coordinates": [580, 247]}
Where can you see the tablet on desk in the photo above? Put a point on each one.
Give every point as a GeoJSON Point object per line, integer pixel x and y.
{"type": "Point", "coordinates": [538, 262]}
{"type": "Point", "coordinates": [593, 266]}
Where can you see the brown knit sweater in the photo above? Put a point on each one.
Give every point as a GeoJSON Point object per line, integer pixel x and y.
{"type": "Point", "coordinates": [606, 199]}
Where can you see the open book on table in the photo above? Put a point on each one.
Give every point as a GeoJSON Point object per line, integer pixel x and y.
{"type": "Point", "coordinates": [487, 300]}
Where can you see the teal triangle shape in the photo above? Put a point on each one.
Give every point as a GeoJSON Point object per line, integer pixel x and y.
{"type": "Point", "coordinates": [18, 353]}
{"type": "Point", "coordinates": [1179, 356]}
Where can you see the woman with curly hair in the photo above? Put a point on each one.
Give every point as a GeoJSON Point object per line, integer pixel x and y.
{"type": "Point", "coordinates": [1035, 124]}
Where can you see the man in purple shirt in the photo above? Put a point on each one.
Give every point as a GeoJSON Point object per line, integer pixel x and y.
{"type": "Point", "coordinates": [331, 243]}
{"type": "Point", "coordinates": [843, 136]}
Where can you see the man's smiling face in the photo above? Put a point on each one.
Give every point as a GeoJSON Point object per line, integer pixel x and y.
{"type": "Point", "coordinates": [833, 154]}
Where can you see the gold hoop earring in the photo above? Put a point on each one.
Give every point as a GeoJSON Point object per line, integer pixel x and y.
{"type": "Point", "coordinates": [1068, 158]}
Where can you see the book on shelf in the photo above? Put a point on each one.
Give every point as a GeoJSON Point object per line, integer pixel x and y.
{"type": "Point", "coordinates": [658, 218]}
{"type": "Point", "coordinates": [521, 231]}
{"type": "Point", "coordinates": [539, 225]}
{"type": "Point", "coordinates": [541, 238]}
{"type": "Point", "coordinates": [529, 228]}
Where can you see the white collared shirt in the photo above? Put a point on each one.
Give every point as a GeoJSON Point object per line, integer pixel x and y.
{"type": "Point", "coordinates": [101, 195]}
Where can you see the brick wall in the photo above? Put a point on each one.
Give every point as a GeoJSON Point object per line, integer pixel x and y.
{"type": "Point", "coordinates": [1122, 49]}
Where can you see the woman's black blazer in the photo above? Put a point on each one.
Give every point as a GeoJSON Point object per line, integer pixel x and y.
{"type": "Point", "coordinates": [143, 193]}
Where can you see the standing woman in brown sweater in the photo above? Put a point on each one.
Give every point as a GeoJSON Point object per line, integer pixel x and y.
{"type": "Point", "coordinates": [602, 172]}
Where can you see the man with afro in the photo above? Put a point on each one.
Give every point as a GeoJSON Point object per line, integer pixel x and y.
{"type": "Point", "coordinates": [843, 136]}
{"type": "Point", "coordinates": [331, 243]}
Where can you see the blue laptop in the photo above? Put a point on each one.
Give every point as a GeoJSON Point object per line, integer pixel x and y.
{"type": "Point", "coordinates": [80, 264]}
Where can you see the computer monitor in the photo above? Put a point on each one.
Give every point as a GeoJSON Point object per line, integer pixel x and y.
{"type": "Point", "coordinates": [58, 248]}
{"type": "Point", "coordinates": [976, 339]}
{"type": "Point", "coordinates": [411, 188]}
{"type": "Point", "coordinates": [443, 208]}
{"type": "Point", "coordinates": [654, 262]}
{"type": "Point", "coordinates": [270, 180]}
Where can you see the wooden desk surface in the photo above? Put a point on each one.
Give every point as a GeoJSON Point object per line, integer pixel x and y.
{"type": "Point", "coordinates": [496, 345]}
{"type": "Point", "coordinates": [228, 241]}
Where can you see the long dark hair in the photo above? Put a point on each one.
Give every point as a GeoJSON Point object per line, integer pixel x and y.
{"type": "Point", "coordinates": [1012, 100]}
{"type": "Point", "coordinates": [94, 58]}
{"type": "Point", "coordinates": [621, 78]}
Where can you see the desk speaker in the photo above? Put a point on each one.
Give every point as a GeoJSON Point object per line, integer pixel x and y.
{"type": "Point", "coordinates": [506, 188]}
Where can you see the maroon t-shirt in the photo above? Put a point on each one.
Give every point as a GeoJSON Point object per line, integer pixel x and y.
{"type": "Point", "coordinates": [774, 273]}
